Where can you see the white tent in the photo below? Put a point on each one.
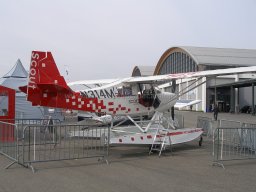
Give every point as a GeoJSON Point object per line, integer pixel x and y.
{"type": "Point", "coordinates": [15, 78]}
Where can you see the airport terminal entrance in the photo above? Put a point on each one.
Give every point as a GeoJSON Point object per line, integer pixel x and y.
{"type": "Point", "coordinates": [227, 98]}
{"type": "Point", "coordinates": [222, 99]}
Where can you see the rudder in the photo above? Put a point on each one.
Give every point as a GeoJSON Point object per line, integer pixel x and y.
{"type": "Point", "coordinates": [44, 79]}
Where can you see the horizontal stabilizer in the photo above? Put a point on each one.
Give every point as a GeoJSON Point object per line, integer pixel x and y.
{"type": "Point", "coordinates": [50, 88]}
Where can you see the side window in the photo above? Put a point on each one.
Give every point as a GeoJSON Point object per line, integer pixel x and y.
{"type": "Point", "coordinates": [120, 91]}
{"type": "Point", "coordinates": [124, 91]}
{"type": "Point", "coordinates": [4, 100]}
{"type": "Point", "coordinates": [127, 91]}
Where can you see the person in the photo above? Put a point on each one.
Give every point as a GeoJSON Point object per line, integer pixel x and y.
{"type": "Point", "coordinates": [215, 112]}
{"type": "Point", "coordinates": [210, 108]}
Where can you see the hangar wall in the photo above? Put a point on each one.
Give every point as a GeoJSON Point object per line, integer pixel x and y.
{"type": "Point", "coordinates": [189, 59]}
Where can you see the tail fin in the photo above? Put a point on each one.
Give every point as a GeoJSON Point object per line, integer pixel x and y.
{"type": "Point", "coordinates": [45, 84]}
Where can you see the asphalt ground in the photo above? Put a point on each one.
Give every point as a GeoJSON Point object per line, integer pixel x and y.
{"type": "Point", "coordinates": [187, 168]}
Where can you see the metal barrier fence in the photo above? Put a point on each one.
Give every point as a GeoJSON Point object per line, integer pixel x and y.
{"type": "Point", "coordinates": [178, 120]}
{"type": "Point", "coordinates": [224, 123]}
{"type": "Point", "coordinates": [9, 140]}
{"type": "Point", "coordinates": [248, 125]}
{"type": "Point", "coordinates": [22, 123]}
{"type": "Point", "coordinates": [64, 142]}
{"type": "Point", "coordinates": [234, 143]}
{"type": "Point", "coordinates": [207, 124]}
{"type": "Point", "coordinates": [43, 143]}
{"type": "Point", "coordinates": [32, 121]}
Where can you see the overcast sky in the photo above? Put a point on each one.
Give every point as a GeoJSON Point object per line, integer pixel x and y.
{"type": "Point", "coordinates": [106, 38]}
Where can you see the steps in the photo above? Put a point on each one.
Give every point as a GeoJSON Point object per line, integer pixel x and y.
{"type": "Point", "coordinates": [161, 141]}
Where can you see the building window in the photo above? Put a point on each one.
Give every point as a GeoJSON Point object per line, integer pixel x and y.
{"type": "Point", "coordinates": [178, 62]}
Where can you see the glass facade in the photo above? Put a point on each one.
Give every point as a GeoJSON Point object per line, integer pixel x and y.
{"type": "Point", "coordinates": [178, 62]}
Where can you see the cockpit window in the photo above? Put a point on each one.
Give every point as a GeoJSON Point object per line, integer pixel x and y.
{"type": "Point", "coordinates": [124, 91]}
{"type": "Point", "coordinates": [148, 96]}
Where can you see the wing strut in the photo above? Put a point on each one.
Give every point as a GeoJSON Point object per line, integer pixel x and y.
{"type": "Point", "coordinates": [182, 93]}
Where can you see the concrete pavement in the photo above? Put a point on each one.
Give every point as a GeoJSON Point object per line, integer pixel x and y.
{"type": "Point", "coordinates": [187, 168]}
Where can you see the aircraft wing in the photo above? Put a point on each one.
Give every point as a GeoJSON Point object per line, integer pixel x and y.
{"type": "Point", "coordinates": [185, 103]}
{"type": "Point", "coordinates": [209, 73]}
{"type": "Point", "coordinates": [93, 82]}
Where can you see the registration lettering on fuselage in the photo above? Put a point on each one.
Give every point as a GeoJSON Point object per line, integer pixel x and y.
{"type": "Point", "coordinates": [102, 93]}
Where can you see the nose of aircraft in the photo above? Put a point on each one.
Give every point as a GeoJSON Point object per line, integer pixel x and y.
{"type": "Point", "coordinates": [167, 100]}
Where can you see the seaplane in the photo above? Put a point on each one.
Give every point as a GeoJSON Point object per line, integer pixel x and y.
{"type": "Point", "coordinates": [126, 97]}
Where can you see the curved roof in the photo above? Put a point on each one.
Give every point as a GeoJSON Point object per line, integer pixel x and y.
{"type": "Point", "coordinates": [143, 71]}
{"type": "Point", "coordinates": [213, 56]}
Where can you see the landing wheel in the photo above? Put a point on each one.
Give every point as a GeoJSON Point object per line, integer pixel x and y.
{"type": "Point", "coordinates": [200, 141]}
